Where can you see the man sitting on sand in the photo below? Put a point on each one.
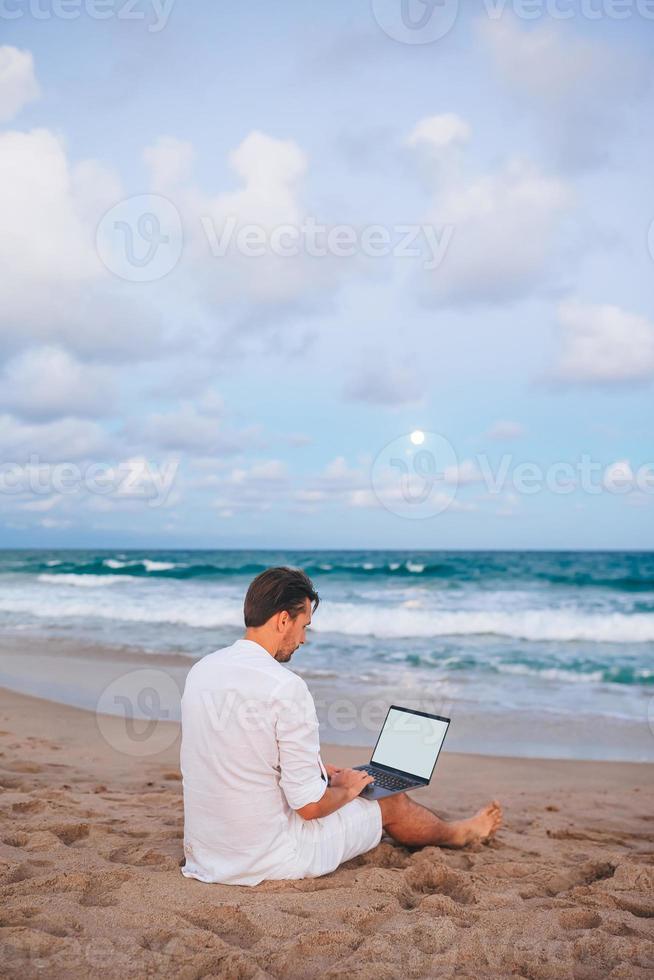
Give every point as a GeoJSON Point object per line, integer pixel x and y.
{"type": "Point", "coordinates": [258, 801]}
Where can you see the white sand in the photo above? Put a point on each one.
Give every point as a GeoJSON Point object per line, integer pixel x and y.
{"type": "Point", "coordinates": [91, 843]}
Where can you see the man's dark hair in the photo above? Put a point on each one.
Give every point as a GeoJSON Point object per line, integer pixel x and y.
{"type": "Point", "coordinates": [278, 590]}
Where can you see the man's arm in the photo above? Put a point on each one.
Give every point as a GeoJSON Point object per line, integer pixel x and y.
{"type": "Point", "coordinates": [302, 780]}
{"type": "Point", "coordinates": [345, 785]}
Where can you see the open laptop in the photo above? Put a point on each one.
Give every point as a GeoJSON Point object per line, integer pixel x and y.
{"type": "Point", "coordinates": [406, 752]}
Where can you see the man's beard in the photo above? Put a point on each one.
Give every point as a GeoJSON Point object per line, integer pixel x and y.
{"type": "Point", "coordinates": [284, 656]}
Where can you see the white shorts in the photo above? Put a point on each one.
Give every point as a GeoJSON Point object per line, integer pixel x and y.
{"type": "Point", "coordinates": [326, 842]}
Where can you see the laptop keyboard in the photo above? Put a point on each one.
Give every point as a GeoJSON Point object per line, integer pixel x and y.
{"type": "Point", "coordinates": [386, 780]}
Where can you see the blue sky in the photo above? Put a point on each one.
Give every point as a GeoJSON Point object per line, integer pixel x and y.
{"type": "Point", "coordinates": [252, 400]}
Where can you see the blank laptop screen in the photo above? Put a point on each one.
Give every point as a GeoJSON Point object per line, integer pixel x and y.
{"type": "Point", "coordinates": [410, 743]}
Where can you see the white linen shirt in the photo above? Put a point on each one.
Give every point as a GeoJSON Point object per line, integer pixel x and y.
{"type": "Point", "coordinates": [250, 757]}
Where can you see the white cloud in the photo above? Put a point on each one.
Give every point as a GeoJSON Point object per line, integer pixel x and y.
{"type": "Point", "coordinates": [509, 505]}
{"type": "Point", "coordinates": [270, 169]}
{"type": "Point", "coordinates": [18, 84]}
{"type": "Point", "coordinates": [252, 487]}
{"type": "Point", "coordinates": [221, 229]}
{"type": "Point", "coordinates": [52, 523]}
{"type": "Point", "coordinates": [505, 429]}
{"type": "Point", "coordinates": [59, 441]}
{"type": "Point", "coordinates": [438, 144]}
{"type": "Point", "coordinates": [506, 229]}
{"type": "Point", "coordinates": [269, 470]}
{"type": "Point", "coordinates": [47, 382]}
{"type": "Point", "coordinates": [198, 434]}
{"type": "Point", "coordinates": [351, 487]}
{"type": "Point", "coordinates": [362, 498]}
{"type": "Point", "coordinates": [339, 472]}
{"type": "Point", "coordinates": [440, 500]}
{"type": "Point", "coordinates": [309, 496]}
{"type": "Point", "coordinates": [40, 505]}
{"type": "Point", "coordinates": [578, 90]}
{"type": "Point", "coordinates": [44, 238]}
{"type": "Point", "coordinates": [439, 133]}
{"type": "Point", "coordinates": [385, 381]}
{"type": "Point", "coordinates": [54, 290]}
{"type": "Point", "coordinates": [94, 189]}
{"type": "Point", "coordinates": [185, 429]}
{"type": "Point", "coordinates": [210, 402]}
{"type": "Point", "coordinates": [604, 344]}
{"type": "Point", "coordinates": [547, 62]}
{"type": "Point", "coordinates": [170, 161]}
{"type": "Point", "coordinates": [272, 469]}
{"type": "Point", "coordinates": [339, 482]}
{"type": "Point", "coordinates": [465, 472]}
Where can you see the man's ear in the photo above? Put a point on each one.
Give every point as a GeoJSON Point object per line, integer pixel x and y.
{"type": "Point", "coordinates": [282, 620]}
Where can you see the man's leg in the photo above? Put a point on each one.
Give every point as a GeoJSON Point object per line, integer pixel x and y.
{"type": "Point", "coordinates": [416, 826]}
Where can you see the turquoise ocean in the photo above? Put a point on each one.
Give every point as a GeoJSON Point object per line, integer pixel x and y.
{"type": "Point", "coordinates": [530, 653]}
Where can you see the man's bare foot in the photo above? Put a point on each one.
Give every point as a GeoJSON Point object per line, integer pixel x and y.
{"type": "Point", "coordinates": [481, 827]}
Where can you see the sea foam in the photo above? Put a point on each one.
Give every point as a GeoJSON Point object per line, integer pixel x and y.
{"type": "Point", "coordinates": [207, 612]}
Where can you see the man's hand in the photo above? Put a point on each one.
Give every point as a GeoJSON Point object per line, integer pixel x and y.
{"type": "Point", "coordinates": [345, 785]}
{"type": "Point", "coordinates": [351, 780]}
{"type": "Point", "coordinates": [332, 770]}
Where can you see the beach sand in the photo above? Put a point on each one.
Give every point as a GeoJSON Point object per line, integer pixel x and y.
{"type": "Point", "coordinates": [91, 847]}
